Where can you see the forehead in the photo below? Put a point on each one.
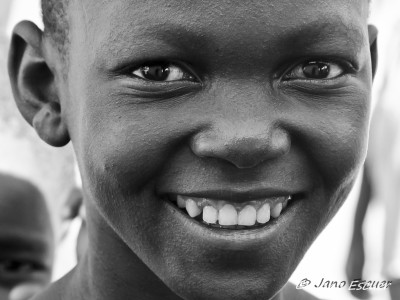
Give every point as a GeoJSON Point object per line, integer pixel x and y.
{"type": "Point", "coordinates": [219, 11]}
{"type": "Point", "coordinates": [114, 27]}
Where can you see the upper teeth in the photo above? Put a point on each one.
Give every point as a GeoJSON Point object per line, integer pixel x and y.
{"type": "Point", "coordinates": [228, 213]}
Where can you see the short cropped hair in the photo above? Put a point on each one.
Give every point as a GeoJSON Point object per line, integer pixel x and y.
{"type": "Point", "coordinates": [56, 24]}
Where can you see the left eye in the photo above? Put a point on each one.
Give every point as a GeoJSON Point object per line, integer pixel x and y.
{"type": "Point", "coordinates": [316, 70]}
{"type": "Point", "coordinates": [162, 72]}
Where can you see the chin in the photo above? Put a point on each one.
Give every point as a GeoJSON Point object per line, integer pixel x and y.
{"type": "Point", "coordinates": [212, 262]}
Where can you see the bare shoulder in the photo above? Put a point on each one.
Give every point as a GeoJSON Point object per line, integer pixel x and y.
{"type": "Point", "coordinates": [291, 293]}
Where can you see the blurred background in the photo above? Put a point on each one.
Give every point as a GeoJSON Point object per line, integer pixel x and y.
{"type": "Point", "coordinates": [53, 170]}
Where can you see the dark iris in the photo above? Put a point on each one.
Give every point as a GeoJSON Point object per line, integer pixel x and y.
{"type": "Point", "coordinates": [156, 72]}
{"type": "Point", "coordinates": [316, 70]}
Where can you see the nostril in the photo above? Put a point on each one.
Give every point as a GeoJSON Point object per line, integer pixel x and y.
{"type": "Point", "coordinates": [249, 153]}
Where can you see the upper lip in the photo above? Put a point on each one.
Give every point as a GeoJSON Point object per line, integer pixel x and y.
{"type": "Point", "coordinates": [236, 195]}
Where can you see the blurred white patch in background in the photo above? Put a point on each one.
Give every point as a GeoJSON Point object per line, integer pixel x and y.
{"type": "Point", "coordinates": [24, 10]}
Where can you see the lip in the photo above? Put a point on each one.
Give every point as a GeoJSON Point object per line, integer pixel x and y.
{"type": "Point", "coordinates": [237, 195]}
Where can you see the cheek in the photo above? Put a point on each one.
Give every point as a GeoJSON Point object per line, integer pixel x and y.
{"type": "Point", "coordinates": [126, 154]}
{"type": "Point", "coordinates": [123, 150]}
{"type": "Point", "coordinates": [336, 139]}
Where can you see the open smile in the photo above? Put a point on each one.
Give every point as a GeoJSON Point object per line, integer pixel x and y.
{"type": "Point", "coordinates": [231, 214]}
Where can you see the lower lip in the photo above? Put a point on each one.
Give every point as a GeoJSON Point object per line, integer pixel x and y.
{"type": "Point", "coordinates": [256, 233]}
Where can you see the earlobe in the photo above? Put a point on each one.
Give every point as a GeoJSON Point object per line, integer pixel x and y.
{"type": "Point", "coordinates": [373, 36]}
{"type": "Point", "coordinates": [49, 126]}
{"type": "Point", "coordinates": [33, 84]}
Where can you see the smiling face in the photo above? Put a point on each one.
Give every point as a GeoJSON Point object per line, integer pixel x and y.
{"type": "Point", "coordinates": [235, 107]}
{"type": "Point", "coordinates": [26, 241]}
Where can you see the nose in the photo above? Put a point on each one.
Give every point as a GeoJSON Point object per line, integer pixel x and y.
{"type": "Point", "coordinates": [244, 144]}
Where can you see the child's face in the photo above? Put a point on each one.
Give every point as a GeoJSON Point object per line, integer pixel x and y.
{"type": "Point", "coordinates": [232, 100]}
{"type": "Point", "coordinates": [26, 242]}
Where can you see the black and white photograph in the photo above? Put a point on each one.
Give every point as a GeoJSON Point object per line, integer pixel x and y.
{"type": "Point", "coordinates": [199, 150]}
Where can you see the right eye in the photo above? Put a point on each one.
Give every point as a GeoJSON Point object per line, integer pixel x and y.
{"type": "Point", "coordinates": [163, 72]}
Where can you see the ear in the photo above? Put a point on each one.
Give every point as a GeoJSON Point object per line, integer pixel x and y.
{"type": "Point", "coordinates": [373, 36]}
{"type": "Point", "coordinates": [33, 84]}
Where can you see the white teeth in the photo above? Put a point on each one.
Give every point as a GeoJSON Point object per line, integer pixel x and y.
{"type": "Point", "coordinates": [263, 214]}
{"type": "Point", "coordinates": [247, 216]}
{"type": "Point", "coordinates": [210, 215]}
{"type": "Point", "coordinates": [181, 202]}
{"type": "Point", "coordinates": [244, 214]}
{"type": "Point", "coordinates": [276, 210]}
{"type": "Point", "coordinates": [227, 215]}
{"type": "Point", "coordinates": [192, 208]}
{"type": "Point", "coordinates": [284, 204]}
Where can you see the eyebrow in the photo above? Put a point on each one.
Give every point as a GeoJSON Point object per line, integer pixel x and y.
{"type": "Point", "coordinates": [333, 31]}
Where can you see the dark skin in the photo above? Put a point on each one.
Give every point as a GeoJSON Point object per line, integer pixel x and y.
{"type": "Point", "coordinates": [240, 115]}
{"type": "Point", "coordinates": [26, 240]}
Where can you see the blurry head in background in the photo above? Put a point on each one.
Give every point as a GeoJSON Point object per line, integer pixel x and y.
{"type": "Point", "coordinates": [26, 239]}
